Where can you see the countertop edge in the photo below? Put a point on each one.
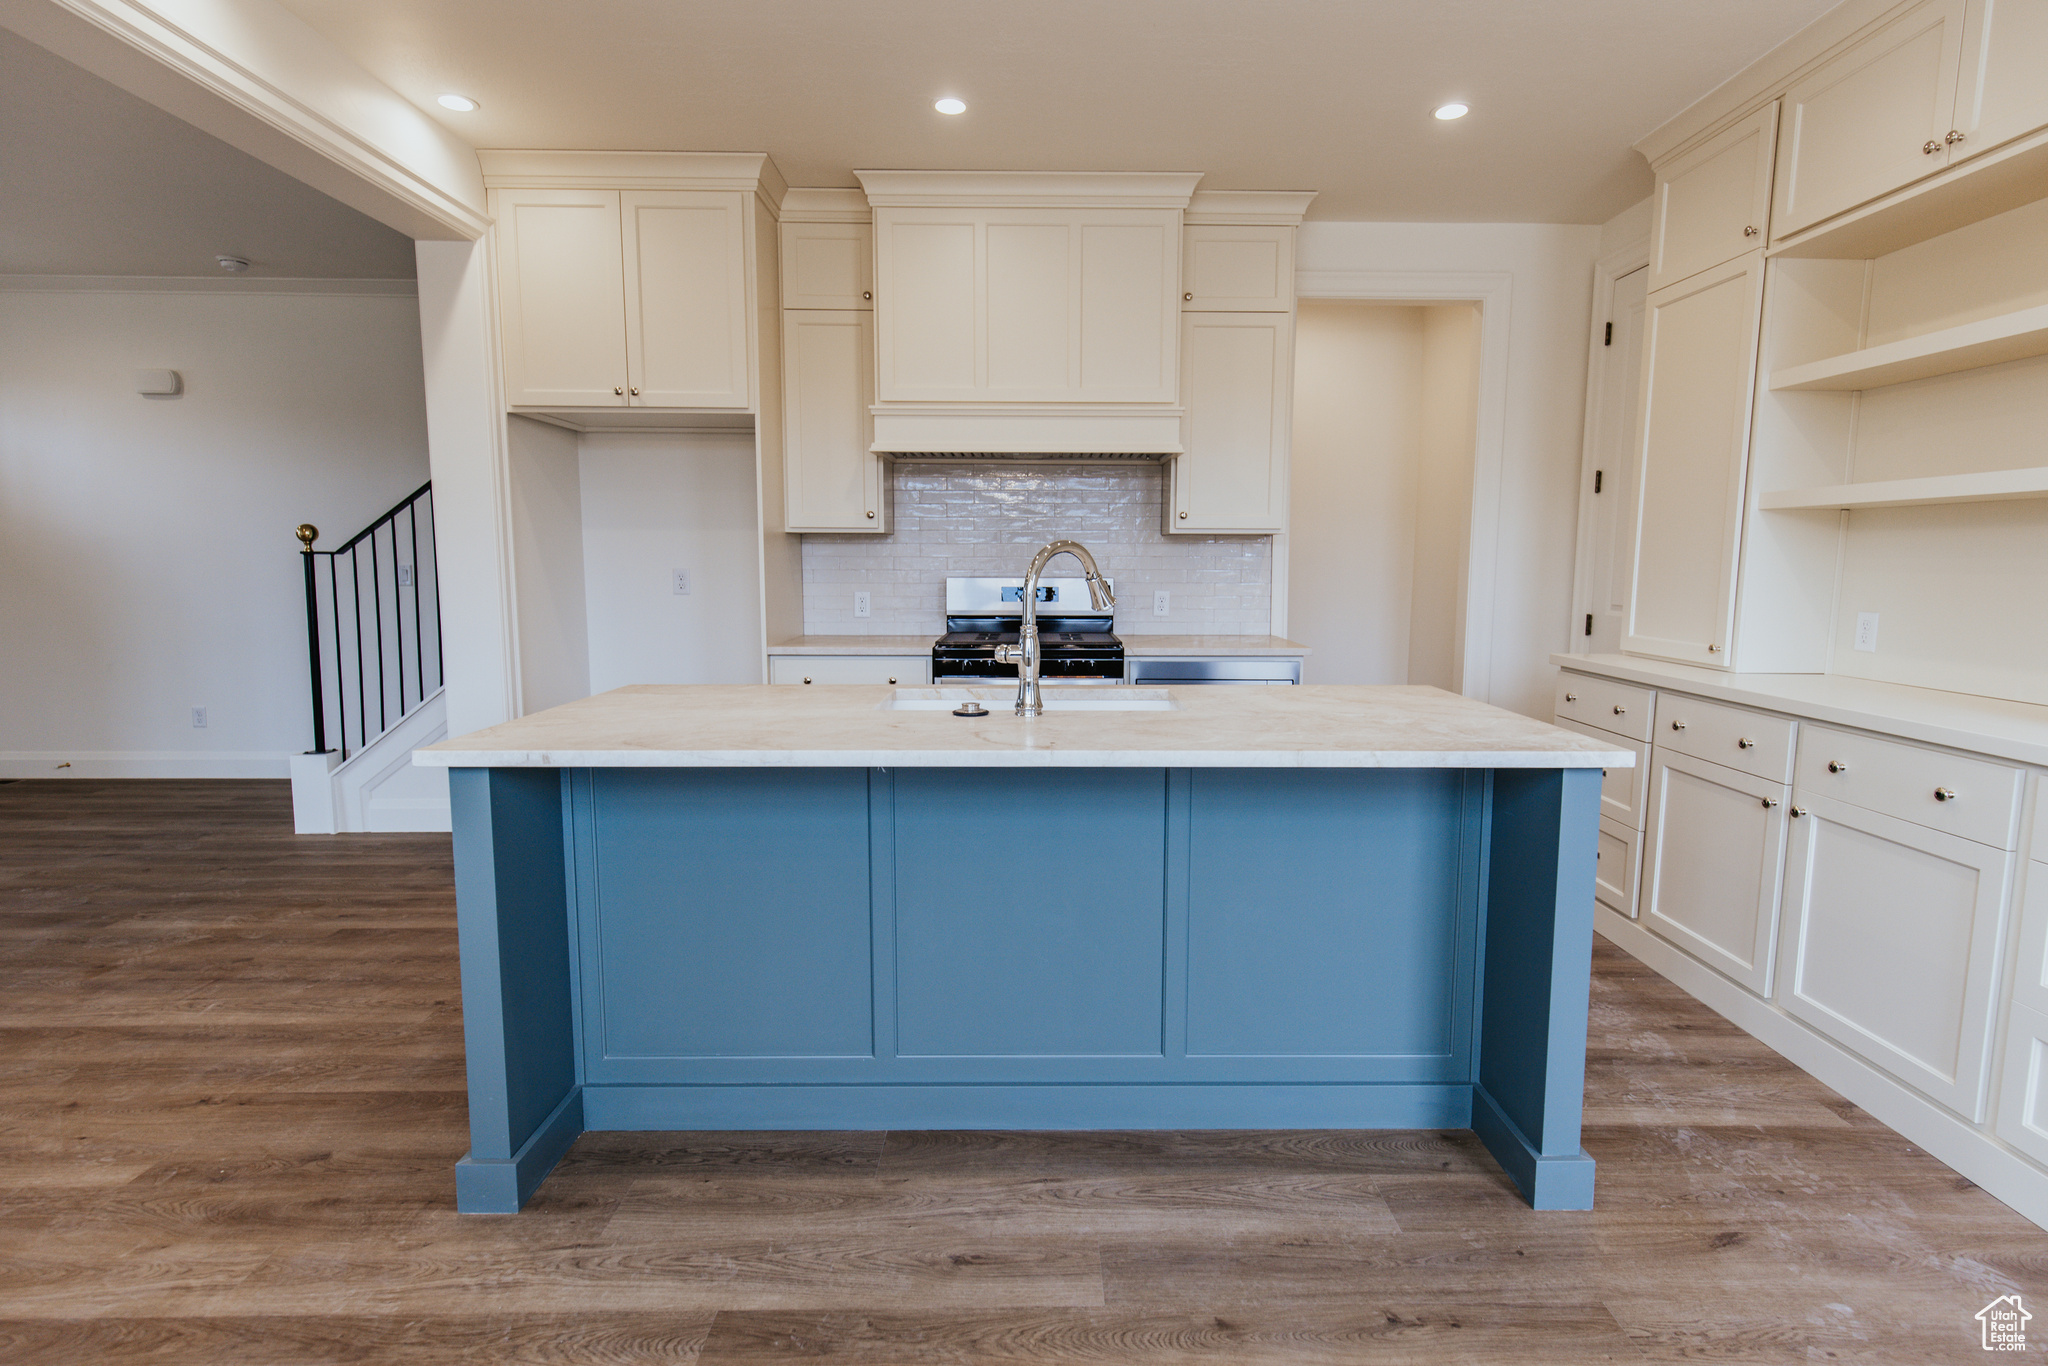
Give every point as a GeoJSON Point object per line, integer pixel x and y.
{"type": "Point", "coordinates": [1135, 646]}
{"type": "Point", "coordinates": [1070, 758]}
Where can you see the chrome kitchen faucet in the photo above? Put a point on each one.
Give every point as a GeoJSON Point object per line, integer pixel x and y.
{"type": "Point", "coordinates": [1024, 654]}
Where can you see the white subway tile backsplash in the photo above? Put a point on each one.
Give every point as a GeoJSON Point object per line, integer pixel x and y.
{"type": "Point", "coordinates": [975, 518]}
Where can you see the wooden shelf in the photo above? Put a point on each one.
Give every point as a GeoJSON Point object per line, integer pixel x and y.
{"type": "Point", "coordinates": [1995, 487]}
{"type": "Point", "coordinates": [1989, 341]}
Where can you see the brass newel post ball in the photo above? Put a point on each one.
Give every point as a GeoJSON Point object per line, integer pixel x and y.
{"type": "Point", "coordinates": [307, 534]}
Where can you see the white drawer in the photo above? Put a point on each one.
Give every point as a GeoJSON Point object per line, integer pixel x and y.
{"type": "Point", "coordinates": [1621, 789]}
{"type": "Point", "coordinates": [1969, 797]}
{"type": "Point", "coordinates": [1622, 708]}
{"type": "Point", "coordinates": [2023, 1084]}
{"type": "Point", "coordinates": [1619, 871]}
{"type": "Point", "coordinates": [908, 670]}
{"type": "Point", "coordinates": [1751, 742]}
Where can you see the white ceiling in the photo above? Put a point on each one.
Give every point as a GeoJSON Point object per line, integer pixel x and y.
{"type": "Point", "coordinates": [98, 182]}
{"type": "Point", "coordinates": [1328, 95]}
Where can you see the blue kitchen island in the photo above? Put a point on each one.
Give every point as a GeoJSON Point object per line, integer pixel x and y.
{"type": "Point", "coordinates": [691, 908]}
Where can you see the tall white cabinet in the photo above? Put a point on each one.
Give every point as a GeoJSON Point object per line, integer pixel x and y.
{"type": "Point", "coordinates": [834, 479]}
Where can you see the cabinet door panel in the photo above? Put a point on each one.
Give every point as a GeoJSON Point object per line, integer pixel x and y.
{"type": "Point", "coordinates": [1028, 313]}
{"type": "Point", "coordinates": [2002, 93]}
{"type": "Point", "coordinates": [1232, 476]}
{"type": "Point", "coordinates": [686, 298]}
{"type": "Point", "coordinates": [560, 278]}
{"type": "Point", "coordinates": [828, 265]}
{"type": "Point", "coordinates": [1859, 125]}
{"type": "Point", "coordinates": [1714, 203]}
{"type": "Point", "coordinates": [1621, 789]}
{"type": "Point", "coordinates": [1699, 382]}
{"type": "Point", "coordinates": [925, 275]}
{"type": "Point", "coordinates": [1128, 318]}
{"type": "Point", "coordinates": [2030, 982]}
{"type": "Point", "coordinates": [1893, 945]}
{"type": "Point", "coordinates": [1238, 269]}
{"type": "Point", "coordinates": [833, 481]}
{"type": "Point", "coordinates": [1712, 863]}
{"type": "Point", "coordinates": [2022, 1097]}
{"type": "Point", "coordinates": [1619, 862]}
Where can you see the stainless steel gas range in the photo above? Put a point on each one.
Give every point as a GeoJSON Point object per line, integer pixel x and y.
{"type": "Point", "coordinates": [1077, 643]}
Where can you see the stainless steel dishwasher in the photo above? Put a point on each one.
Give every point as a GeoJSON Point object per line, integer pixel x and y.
{"type": "Point", "coordinates": [1182, 671]}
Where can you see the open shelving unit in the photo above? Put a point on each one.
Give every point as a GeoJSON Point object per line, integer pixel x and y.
{"type": "Point", "coordinates": [1996, 486]}
{"type": "Point", "coordinates": [1968, 346]}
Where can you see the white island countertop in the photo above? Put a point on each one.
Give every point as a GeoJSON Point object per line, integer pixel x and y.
{"type": "Point", "coordinates": [858, 725]}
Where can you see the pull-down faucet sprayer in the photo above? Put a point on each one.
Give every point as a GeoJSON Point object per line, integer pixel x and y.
{"type": "Point", "coordinates": [1024, 654]}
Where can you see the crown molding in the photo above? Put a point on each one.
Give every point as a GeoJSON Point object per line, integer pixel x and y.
{"type": "Point", "coordinates": [204, 284]}
{"type": "Point", "coordinates": [1272, 208]}
{"type": "Point", "coordinates": [1030, 189]}
{"type": "Point", "coordinates": [524, 169]}
{"type": "Point", "coordinates": [804, 205]}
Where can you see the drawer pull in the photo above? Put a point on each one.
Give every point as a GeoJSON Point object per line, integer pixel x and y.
{"type": "Point", "coordinates": [1620, 710]}
{"type": "Point", "coordinates": [1837, 766]}
{"type": "Point", "coordinates": [1678, 725]}
{"type": "Point", "coordinates": [1571, 697]}
{"type": "Point", "coordinates": [1745, 743]}
{"type": "Point", "coordinates": [1944, 794]}
{"type": "Point", "coordinates": [1770, 803]}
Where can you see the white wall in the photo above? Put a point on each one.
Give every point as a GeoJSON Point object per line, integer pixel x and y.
{"type": "Point", "coordinates": [654, 503]}
{"type": "Point", "coordinates": [1551, 267]}
{"type": "Point", "coordinates": [1443, 493]}
{"type": "Point", "coordinates": [147, 564]}
{"type": "Point", "coordinates": [547, 541]}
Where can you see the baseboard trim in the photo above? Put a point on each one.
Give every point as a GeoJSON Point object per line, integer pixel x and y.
{"type": "Point", "coordinates": [504, 1185]}
{"type": "Point", "coordinates": [1561, 1181]}
{"type": "Point", "coordinates": [1973, 1152]}
{"type": "Point", "coordinates": [144, 763]}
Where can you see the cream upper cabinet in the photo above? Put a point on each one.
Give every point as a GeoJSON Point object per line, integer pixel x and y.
{"type": "Point", "coordinates": [1698, 387]}
{"type": "Point", "coordinates": [561, 297]}
{"type": "Point", "coordinates": [634, 298]}
{"type": "Point", "coordinates": [1871, 119]}
{"type": "Point", "coordinates": [2002, 92]}
{"type": "Point", "coordinates": [1713, 204]}
{"type": "Point", "coordinates": [992, 304]}
{"type": "Point", "coordinates": [832, 481]}
{"type": "Point", "coordinates": [1229, 269]}
{"type": "Point", "coordinates": [828, 265]}
{"type": "Point", "coordinates": [1238, 382]}
{"type": "Point", "coordinates": [686, 298]}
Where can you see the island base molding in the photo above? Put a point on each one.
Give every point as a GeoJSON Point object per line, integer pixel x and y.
{"type": "Point", "coordinates": [788, 949]}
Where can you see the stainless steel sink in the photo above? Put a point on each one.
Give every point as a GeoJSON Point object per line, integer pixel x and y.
{"type": "Point", "coordinates": [1002, 701]}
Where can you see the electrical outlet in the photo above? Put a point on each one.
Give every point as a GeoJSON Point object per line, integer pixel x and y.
{"type": "Point", "coordinates": [405, 576]}
{"type": "Point", "coordinates": [199, 718]}
{"type": "Point", "coordinates": [1866, 630]}
{"type": "Point", "coordinates": [1162, 602]}
{"type": "Point", "coordinates": [861, 604]}
{"type": "Point", "coordinates": [679, 584]}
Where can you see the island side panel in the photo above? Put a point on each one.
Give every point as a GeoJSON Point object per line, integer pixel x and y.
{"type": "Point", "coordinates": [1530, 1092]}
{"type": "Point", "coordinates": [512, 914]}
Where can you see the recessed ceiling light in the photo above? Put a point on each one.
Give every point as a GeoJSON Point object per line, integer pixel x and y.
{"type": "Point", "coordinates": [461, 104]}
{"type": "Point", "coordinates": [949, 105]}
{"type": "Point", "coordinates": [1453, 110]}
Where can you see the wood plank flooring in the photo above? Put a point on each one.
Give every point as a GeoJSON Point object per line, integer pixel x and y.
{"type": "Point", "coordinates": [231, 1098]}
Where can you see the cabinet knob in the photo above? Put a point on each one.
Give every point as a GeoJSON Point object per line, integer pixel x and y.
{"type": "Point", "coordinates": [1571, 697]}
{"type": "Point", "coordinates": [1713, 649]}
{"type": "Point", "coordinates": [636, 393]}
{"type": "Point", "coordinates": [619, 390]}
{"type": "Point", "coordinates": [1183, 516]}
{"type": "Point", "coordinates": [1745, 743]}
{"type": "Point", "coordinates": [1188, 297]}
{"type": "Point", "coordinates": [1770, 803]}
{"type": "Point", "coordinates": [1749, 231]}
{"type": "Point", "coordinates": [892, 680]}
{"type": "Point", "coordinates": [1944, 794]}
{"type": "Point", "coordinates": [867, 294]}
{"type": "Point", "coordinates": [1621, 711]}
{"type": "Point", "coordinates": [1678, 725]}
{"type": "Point", "coordinates": [1837, 766]}
{"type": "Point", "coordinates": [1798, 811]}
{"type": "Point", "coordinates": [1954, 135]}
{"type": "Point", "coordinates": [1931, 147]}
{"type": "Point", "coordinates": [871, 515]}
{"type": "Point", "coordinates": [807, 680]}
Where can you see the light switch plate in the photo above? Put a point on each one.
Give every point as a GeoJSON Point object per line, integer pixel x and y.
{"type": "Point", "coordinates": [1866, 631]}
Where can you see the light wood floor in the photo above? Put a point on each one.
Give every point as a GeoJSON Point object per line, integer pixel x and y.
{"type": "Point", "coordinates": [231, 1095]}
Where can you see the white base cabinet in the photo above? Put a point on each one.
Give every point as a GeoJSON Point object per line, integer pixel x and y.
{"type": "Point", "coordinates": [905, 670]}
{"type": "Point", "coordinates": [1618, 869]}
{"type": "Point", "coordinates": [1892, 944]}
{"type": "Point", "coordinates": [1713, 861]}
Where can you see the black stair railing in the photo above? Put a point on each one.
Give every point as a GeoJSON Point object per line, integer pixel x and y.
{"type": "Point", "coordinates": [373, 624]}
